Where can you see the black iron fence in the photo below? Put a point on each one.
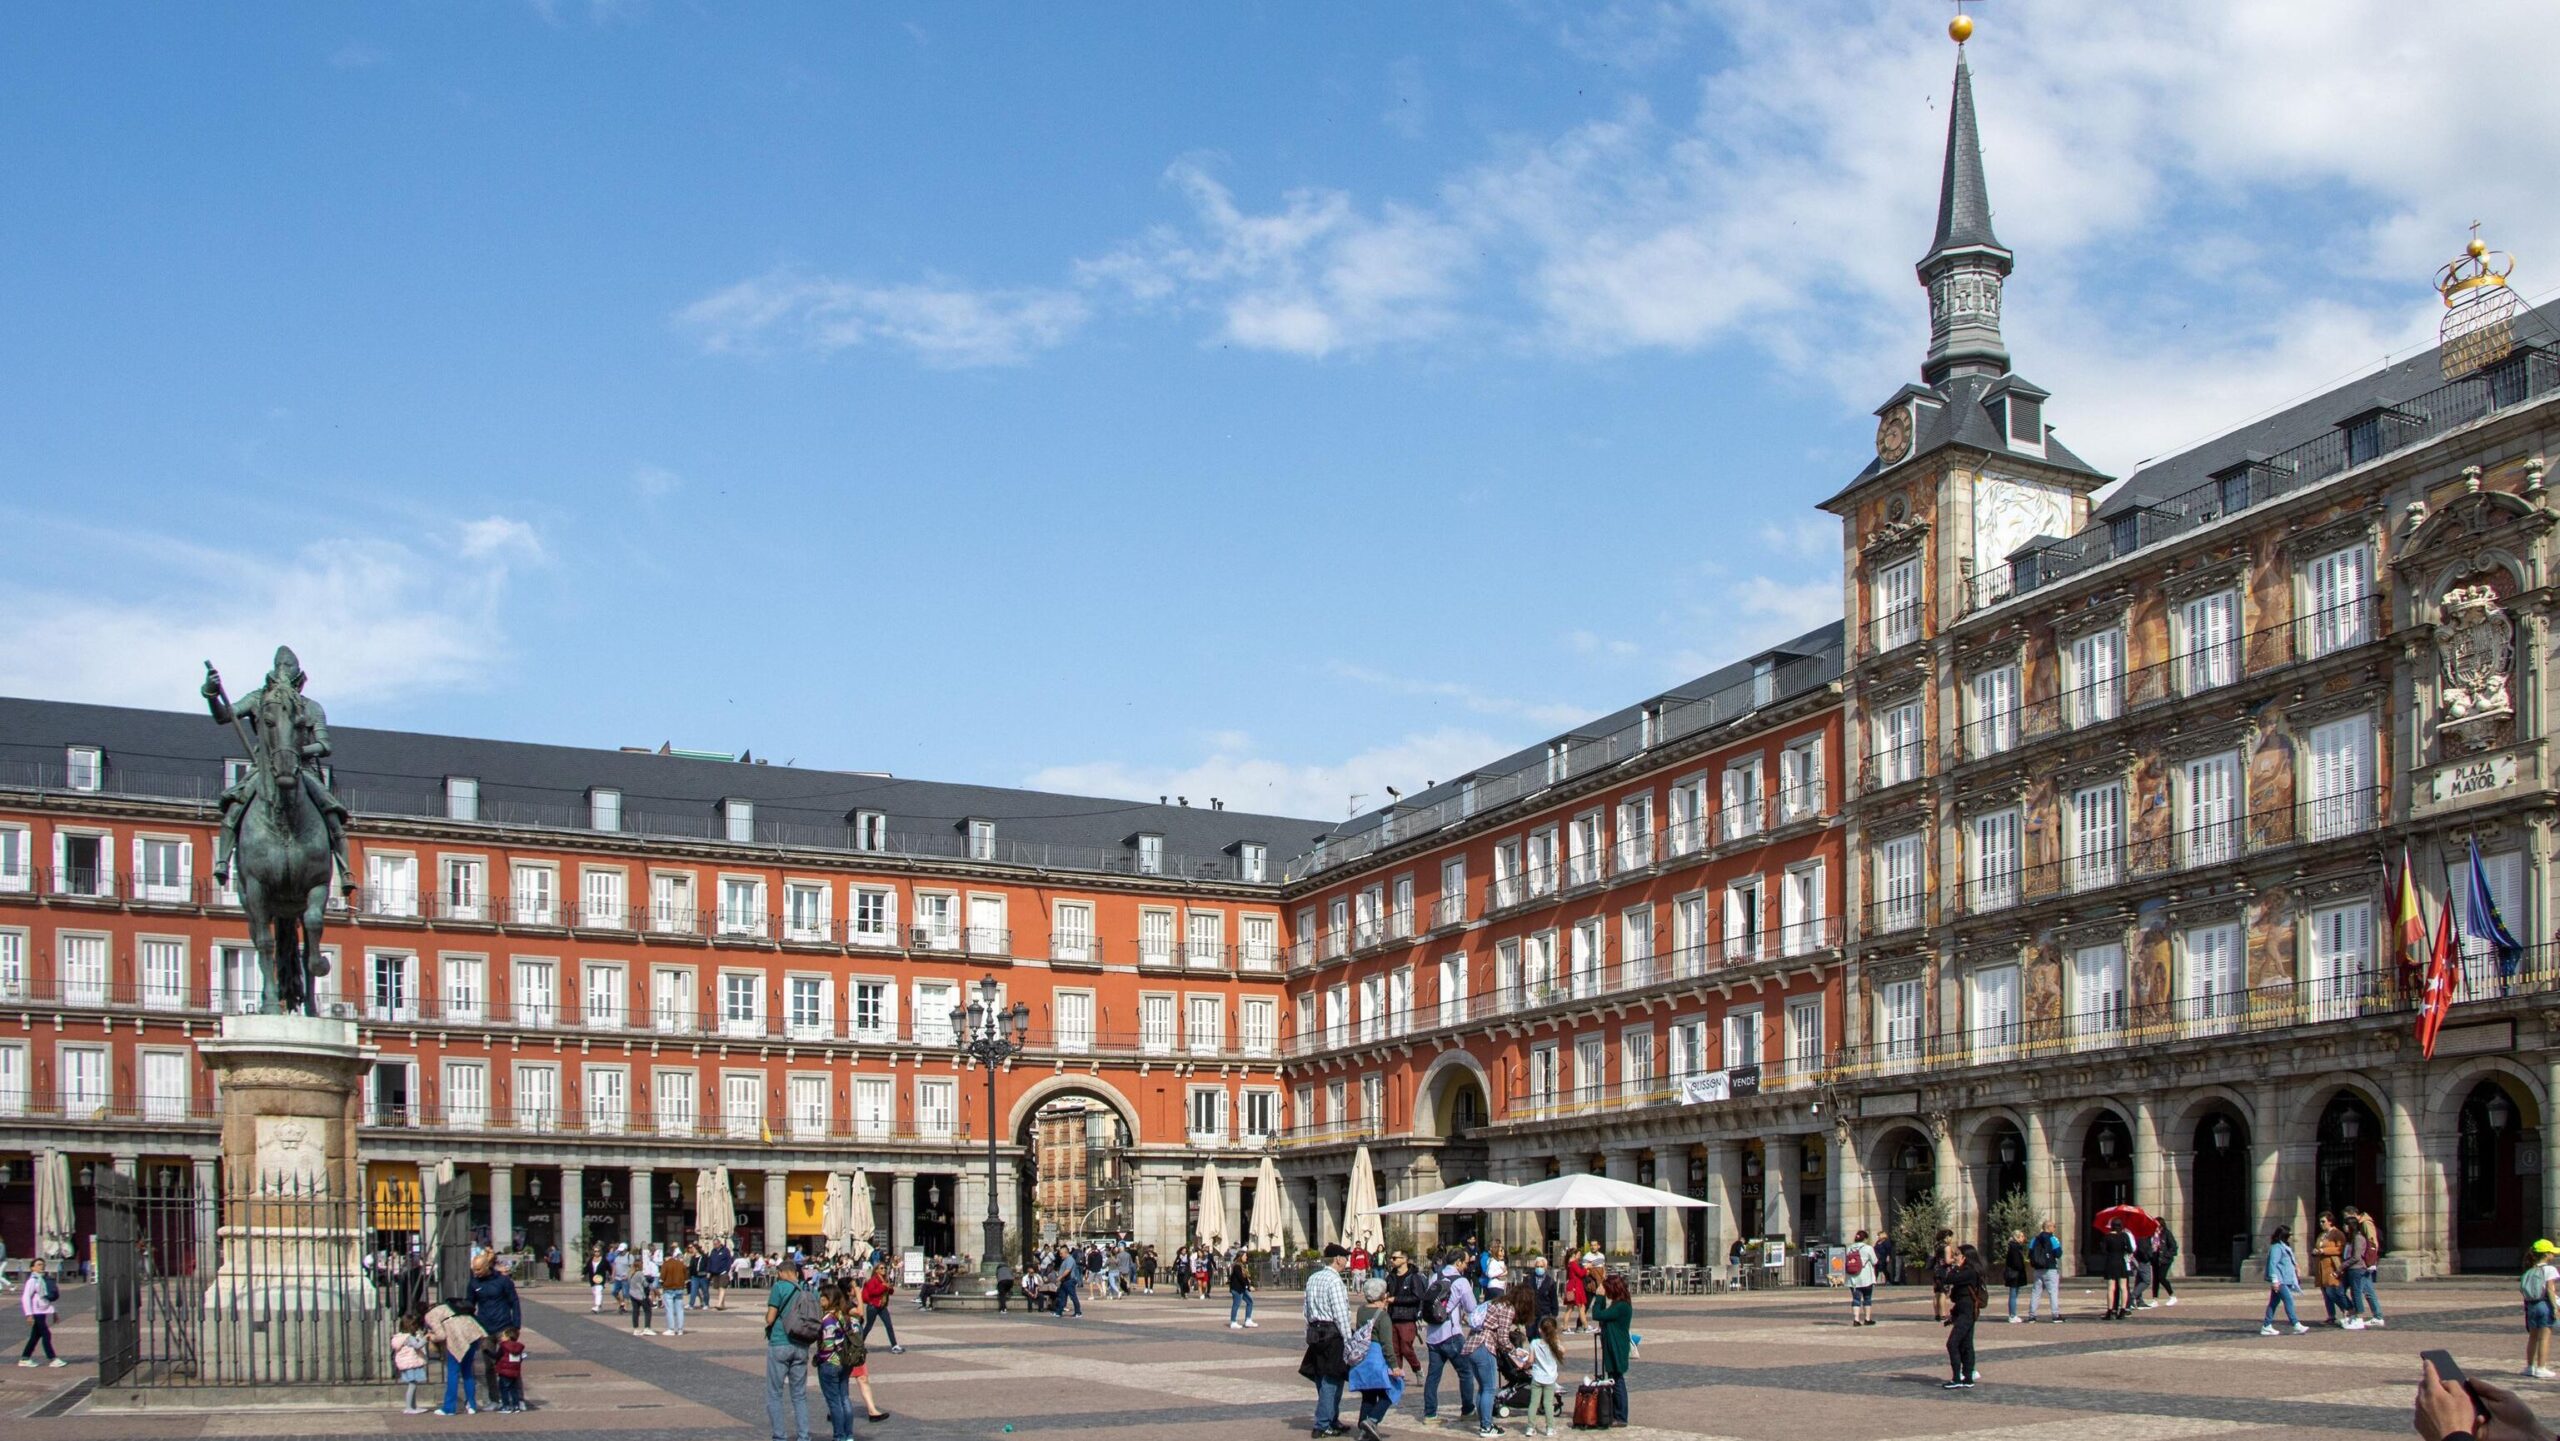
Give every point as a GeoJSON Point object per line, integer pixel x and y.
{"type": "Point", "coordinates": [282, 1286]}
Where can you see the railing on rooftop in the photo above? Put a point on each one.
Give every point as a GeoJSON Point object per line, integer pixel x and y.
{"type": "Point", "coordinates": [2529, 373]}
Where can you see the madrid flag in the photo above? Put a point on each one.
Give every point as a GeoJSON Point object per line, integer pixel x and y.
{"type": "Point", "coordinates": [2443, 971]}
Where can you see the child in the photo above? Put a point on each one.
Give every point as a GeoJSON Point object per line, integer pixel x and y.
{"type": "Point", "coordinates": [510, 1370]}
{"type": "Point", "coordinates": [1545, 1359]}
{"type": "Point", "coordinates": [409, 1357]}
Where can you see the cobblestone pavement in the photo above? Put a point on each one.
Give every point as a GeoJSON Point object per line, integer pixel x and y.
{"type": "Point", "coordinates": [1767, 1366]}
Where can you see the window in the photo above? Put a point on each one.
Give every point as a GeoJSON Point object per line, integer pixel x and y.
{"type": "Point", "coordinates": [1337, 1015]}
{"type": "Point", "coordinates": [1506, 874]}
{"type": "Point", "coordinates": [2094, 678]}
{"type": "Point", "coordinates": [466, 988]}
{"type": "Point", "coordinates": [17, 865]}
{"type": "Point", "coordinates": [536, 892]}
{"type": "Point", "coordinates": [1074, 1010]}
{"type": "Point", "coordinates": [235, 770]}
{"type": "Point", "coordinates": [1635, 1060]}
{"type": "Point", "coordinates": [1373, 1008]}
{"type": "Point", "coordinates": [1400, 912]}
{"type": "Point", "coordinates": [1582, 849]}
{"type": "Point", "coordinates": [741, 906]}
{"type": "Point", "coordinates": [1542, 1076]}
{"type": "Point", "coordinates": [1995, 861]}
{"type": "Point", "coordinates": [84, 768]}
{"type": "Point", "coordinates": [1742, 799]}
{"type": "Point", "coordinates": [1898, 883]}
{"type": "Point", "coordinates": [1687, 1055]}
{"type": "Point", "coordinates": [466, 1094]}
{"type": "Point", "coordinates": [235, 976]}
{"type": "Point", "coordinates": [1991, 711]}
{"type": "Point", "coordinates": [1538, 966]}
{"type": "Point", "coordinates": [1559, 761]}
{"type": "Point", "coordinates": [13, 1079]}
{"type": "Point", "coordinates": [608, 1090]}
{"type": "Point", "coordinates": [1689, 934]}
{"type": "Point", "coordinates": [1260, 1114]}
{"type": "Point", "coordinates": [604, 809]}
{"type": "Point", "coordinates": [1542, 862]}
{"type": "Point", "coordinates": [83, 865]}
{"type": "Point", "coordinates": [164, 974]}
{"type": "Point", "coordinates": [875, 916]}
{"type": "Point", "coordinates": [982, 840]}
{"type": "Point", "coordinates": [1585, 958]}
{"type": "Point", "coordinates": [1800, 909]}
{"type": "Point", "coordinates": [2210, 989]}
{"type": "Point", "coordinates": [1208, 1115]}
{"type": "Point", "coordinates": [1453, 989]}
{"type": "Point", "coordinates": [2337, 601]}
{"type": "Point", "coordinates": [1742, 920]}
{"type": "Point", "coordinates": [675, 1102]}
{"type": "Point", "coordinates": [164, 871]}
{"type": "Point", "coordinates": [2209, 814]}
{"type": "Point", "coordinates": [1400, 1001]}
{"type": "Point", "coordinates": [805, 1001]}
{"type": "Point", "coordinates": [1150, 855]}
{"type": "Point", "coordinates": [606, 998]}
{"type": "Point", "coordinates": [1648, 727]}
{"type": "Point", "coordinates": [390, 884]}
{"type": "Point", "coordinates": [934, 1002]}
{"type": "Point", "coordinates": [870, 831]}
{"type": "Point", "coordinates": [1590, 1066]}
{"type": "Point", "coordinates": [1635, 946]}
{"type": "Point", "coordinates": [671, 1002]}
{"type": "Point", "coordinates": [1260, 950]}
{"type": "Point", "coordinates": [1804, 1035]}
{"type": "Point", "coordinates": [461, 798]}
{"type": "Point", "coordinates": [805, 1103]}
{"type": "Point", "coordinates": [2209, 641]}
{"type": "Point", "coordinates": [2342, 960]}
{"type": "Point", "coordinates": [1258, 1023]}
{"type": "Point", "coordinates": [392, 991]}
{"type": "Point", "coordinates": [874, 1106]}
{"type": "Point", "coordinates": [2482, 976]}
{"type": "Point", "coordinates": [2338, 796]}
{"type": "Point", "coordinates": [804, 911]}
{"type": "Point", "coordinates": [601, 900]}
{"type": "Point", "coordinates": [1071, 938]}
{"type": "Point", "coordinates": [1205, 939]}
{"type": "Point", "coordinates": [1155, 1024]}
{"type": "Point", "coordinates": [2095, 846]}
{"type": "Point", "coordinates": [1995, 1010]}
{"type": "Point", "coordinates": [390, 1086]}
{"type": "Point", "coordinates": [739, 819]}
{"type": "Point", "coordinates": [1742, 1036]}
{"type": "Point", "coordinates": [1688, 809]}
{"type": "Point", "coordinates": [1899, 1020]}
{"type": "Point", "coordinates": [671, 905]}
{"type": "Point", "coordinates": [537, 991]}
{"type": "Point", "coordinates": [742, 1105]}
{"type": "Point", "coordinates": [741, 1004]}
{"type": "Point", "coordinates": [1898, 744]}
{"type": "Point", "coordinates": [13, 965]}
{"type": "Point", "coordinates": [874, 1009]}
{"type": "Point", "coordinates": [1635, 832]}
{"type": "Point", "coordinates": [465, 895]}
{"type": "Point", "coordinates": [1253, 861]}
{"type": "Point", "coordinates": [1800, 781]}
{"type": "Point", "coordinates": [1894, 601]}
{"type": "Point", "coordinates": [1155, 938]}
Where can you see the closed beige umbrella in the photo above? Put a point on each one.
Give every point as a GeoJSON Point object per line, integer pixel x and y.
{"type": "Point", "coordinates": [1360, 1224]}
{"type": "Point", "coordinates": [859, 1223]}
{"type": "Point", "coordinates": [1216, 1226]}
{"type": "Point", "coordinates": [1270, 1227]}
{"type": "Point", "coordinates": [715, 1217]}
{"type": "Point", "coordinates": [54, 1213]}
{"type": "Point", "coordinates": [837, 1216]}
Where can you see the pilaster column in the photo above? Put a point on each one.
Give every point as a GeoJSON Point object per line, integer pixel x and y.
{"type": "Point", "coordinates": [902, 1207]}
{"type": "Point", "coordinates": [644, 1198]}
{"type": "Point", "coordinates": [1619, 1164]}
{"type": "Point", "coordinates": [1782, 1177]}
{"type": "Point", "coordinates": [573, 1216]}
{"type": "Point", "coordinates": [502, 1206]}
{"type": "Point", "coordinates": [1953, 1182]}
{"type": "Point", "coordinates": [2144, 1125]}
{"type": "Point", "coordinates": [2039, 1141]}
{"type": "Point", "coordinates": [2409, 1178]}
{"type": "Point", "coordinates": [1846, 1176]}
{"type": "Point", "coordinates": [777, 1208]}
{"type": "Point", "coordinates": [1724, 1196]}
{"type": "Point", "coordinates": [2550, 1139]}
{"type": "Point", "coordinates": [2176, 1167]}
{"type": "Point", "coordinates": [2070, 1223]}
{"type": "Point", "coordinates": [2298, 1181]}
{"type": "Point", "coordinates": [202, 1167]}
{"type": "Point", "coordinates": [1329, 1203]}
{"type": "Point", "coordinates": [1671, 1223]}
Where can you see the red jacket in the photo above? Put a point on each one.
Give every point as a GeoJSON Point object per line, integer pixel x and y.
{"type": "Point", "coordinates": [875, 1291]}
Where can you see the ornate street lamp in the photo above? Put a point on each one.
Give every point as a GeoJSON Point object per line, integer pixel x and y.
{"type": "Point", "coordinates": [2500, 1112]}
{"type": "Point", "coordinates": [985, 1032]}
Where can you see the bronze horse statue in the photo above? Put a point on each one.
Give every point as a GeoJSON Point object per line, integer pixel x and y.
{"type": "Point", "coordinates": [286, 848]}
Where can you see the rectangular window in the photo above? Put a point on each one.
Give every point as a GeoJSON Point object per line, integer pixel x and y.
{"type": "Point", "coordinates": [1155, 938]}
{"type": "Point", "coordinates": [461, 798]}
{"type": "Point", "coordinates": [804, 911]}
{"type": "Point", "coordinates": [870, 831]}
{"type": "Point", "coordinates": [739, 819]}
{"type": "Point", "coordinates": [84, 768]}
{"type": "Point", "coordinates": [537, 991]}
{"type": "Point", "coordinates": [1150, 855]}
{"type": "Point", "coordinates": [606, 998]}
{"type": "Point", "coordinates": [1635, 948]}
{"type": "Point", "coordinates": [875, 916]}
{"type": "Point", "coordinates": [1582, 850]}
{"type": "Point", "coordinates": [2209, 641]}
{"type": "Point", "coordinates": [1071, 939]}
{"type": "Point", "coordinates": [741, 1005]}
{"type": "Point", "coordinates": [1898, 883]}
{"type": "Point", "coordinates": [1400, 910]}
{"type": "Point", "coordinates": [1995, 1011]}
{"type": "Point", "coordinates": [1994, 883]}
{"type": "Point", "coordinates": [1542, 1077]}
{"type": "Point", "coordinates": [1559, 761]}
{"type": "Point", "coordinates": [806, 1099]}
{"type": "Point", "coordinates": [982, 840]}
{"type": "Point", "coordinates": [1258, 1024]}
{"type": "Point", "coordinates": [805, 1007]}
{"type": "Point", "coordinates": [1260, 947]}
{"type": "Point", "coordinates": [2337, 601]}
{"type": "Point", "coordinates": [2339, 799]}
{"type": "Point", "coordinates": [1453, 989]}
{"type": "Point", "coordinates": [1895, 602]}
{"type": "Point", "coordinates": [536, 894]}
{"type": "Point", "coordinates": [1205, 940]}
{"type": "Point", "coordinates": [1541, 868]}
{"type": "Point", "coordinates": [83, 865]}
{"type": "Point", "coordinates": [1801, 916]}
{"type": "Point", "coordinates": [604, 809]}
{"type": "Point", "coordinates": [164, 871]}
{"type": "Point", "coordinates": [1373, 1007]}
{"type": "Point", "coordinates": [393, 991]}
{"type": "Point", "coordinates": [2211, 992]}
{"type": "Point", "coordinates": [1074, 1011]}
{"type": "Point", "coordinates": [1261, 1114]}
{"type": "Point", "coordinates": [676, 1102]}
{"type": "Point", "coordinates": [608, 1091]}
{"type": "Point", "coordinates": [2096, 842]}
{"type": "Point", "coordinates": [1741, 799]}
{"type": "Point", "coordinates": [164, 974]}
{"type": "Point", "coordinates": [1804, 1036]}
{"type": "Point", "coordinates": [671, 1004]}
{"type": "Point", "coordinates": [1590, 1067]}
{"type": "Point", "coordinates": [2097, 993]}
{"type": "Point", "coordinates": [742, 1105]}
{"type": "Point", "coordinates": [874, 1009]}
{"type": "Point", "coordinates": [466, 988]}
{"type": "Point", "coordinates": [1253, 862]}
{"type": "Point", "coordinates": [874, 1106]}
{"type": "Point", "coordinates": [466, 1095]}
{"type": "Point", "coordinates": [85, 1093]}
{"type": "Point", "coordinates": [671, 904]}
{"type": "Point", "coordinates": [988, 933]}
{"type": "Point", "coordinates": [1800, 781]}
{"type": "Point", "coordinates": [1991, 711]}
{"type": "Point", "coordinates": [1689, 935]}
{"type": "Point", "coordinates": [2095, 678]}
{"type": "Point", "coordinates": [1688, 815]}
{"type": "Point", "coordinates": [2482, 977]}
{"type": "Point", "coordinates": [465, 896]}
{"type": "Point", "coordinates": [934, 1002]}
{"type": "Point", "coordinates": [1898, 743]}
{"type": "Point", "coordinates": [1635, 1061]}
{"type": "Point", "coordinates": [1400, 1001]}
{"type": "Point", "coordinates": [1742, 1036]}
{"type": "Point", "coordinates": [1899, 1027]}
{"type": "Point", "coordinates": [1687, 1055]}
{"type": "Point", "coordinates": [1635, 832]}
{"type": "Point", "coordinates": [2209, 816]}
{"type": "Point", "coordinates": [1155, 1024]}
{"type": "Point", "coordinates": [1584, 958]}
{"type": "Point", "coordinates": [391, 885]}
{"type": "Point", "coordinates": [17, 860]}
{"type": "Point", "coordinates": [1208, 1115]}
{"type": "Point", "coordinates": [13, 965]}
{"type": "Point", "coordinates": [601, 900]}
{"type": "Point", "coordinates": [13, 1078]}
{"type": "Point", "coordinates": [2342, 960]}
{"type": "Point", "coordinates": [1744, 919]}
{"type": "Point", "coordinates": [1506, 874]}
{"type": "Point", "coordinates": [741, 906]}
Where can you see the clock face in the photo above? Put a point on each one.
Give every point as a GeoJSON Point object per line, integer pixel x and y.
{"type": "Point", "coordinates": [1893, 435]}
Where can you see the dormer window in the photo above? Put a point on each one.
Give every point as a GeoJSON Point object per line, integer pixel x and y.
{"type": "Point", "coordinates": [1764, 681]}
{"type": "Point", "coordinates": [982, 840]}
{"type": "Point", "coordinates": [2378, 432]}
{"type": "Point", "coordinates": [1150, 854]}
{"type": "Point", "coordinates": [461, 798]}
{"type": "Point", "coordinates": [1648, 727]}
{"type": "Point", "coordinates": [2026, 422]}
{"type": "Point", "coordinates": [1252, 861]}
{"type": "Point", "coordinates": [740, 819]}
{"type": "Point", "coordinates": [1466, 798]}
{"type": "Point", "coordinates": [84, 768]}
{"type": "Point", "coordinates": [235, 770]}
{"type": "Point", "coordinates": [870, 831]}
{"type": "Point", "coordinates": [1559, 761]}
{"type": "Point", "coordinates": [604, 809]}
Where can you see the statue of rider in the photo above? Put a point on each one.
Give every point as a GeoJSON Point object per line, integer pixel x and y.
{"type": "Point", "coordinates": [311, 742]}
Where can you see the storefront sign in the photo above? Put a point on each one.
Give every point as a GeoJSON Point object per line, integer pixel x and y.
{"type": "Point", "coordinates": [1720, 1085]}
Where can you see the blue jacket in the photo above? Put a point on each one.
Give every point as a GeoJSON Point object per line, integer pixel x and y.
{"type": "Point", "coordinates": [2281, 1268]}
{"type": "Point", "coordinates": [494, 1304]}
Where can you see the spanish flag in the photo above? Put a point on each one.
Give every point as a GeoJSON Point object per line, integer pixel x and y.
{"type": "Point", "coordinates": [2409, 928]}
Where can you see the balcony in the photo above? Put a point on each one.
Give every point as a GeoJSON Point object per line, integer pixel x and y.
{"type": "Point", "coordinates": [1325, 1133]}
{"type": "Point", "coordinates": [536, 912]}
{"type": "Point", "coordinates": [1075, 951]}
{"type": "Point", "coordinates": [937, 938]}
{"type": "Point", "coordinates": [1449, 912]}
{"type": "Point", "coordinates": [1633, 853]}
{"type": "Point", "coordinates": [1205, 956]}
{"type": "Point", "coordinates": [604, 916]}
{"type": "Point", "coordinates": [1158, 953]}
{"type": "Point", "coordinates": [986, 941]}
{"type": "Point", "coordinates": [738, 923]}
{"type": "Point", "coordinates": [1584, 870]}
{"type": "Point", "coordinates": [668, 919]}
{"type": "Point", "coordinates": [1261, 957]}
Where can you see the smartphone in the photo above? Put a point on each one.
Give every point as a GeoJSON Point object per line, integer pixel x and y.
{"type": "Point", "coordinates": [2447, 1369]}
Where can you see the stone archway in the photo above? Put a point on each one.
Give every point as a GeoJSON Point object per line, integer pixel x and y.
{"type": "Point", "coordinates": [2106, 1177]}
{"type": "Point", "coordinates": [2347, 1158]}
{"type": "Point", "coordinates": [1453, 1099]}
{"type": "Point", "coordinates": [1902, 1165]}
{"type": "Point", "coordinates": [1072, 1136]}
{"type": "Point", "coordinates": [2497, 1176]}
{"type": "Point", "coordinates": [1999, 1161]}
{"type": "Point", "coordinates": [2219, 1230]}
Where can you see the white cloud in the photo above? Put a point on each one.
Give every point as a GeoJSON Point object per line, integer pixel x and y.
{"type": "Point", "coordinates": [373, 620]}
{"type": "Point", "coordinates": [1237, 772]}
{"type": "Point", "coordinates": [1805, 537]}
{"type": "Point", "coordinates": [655, 482]}
{"type": "Point", "coordinates": [947, 326]}
{"type": "Point", "coordinates": [1585, 642]}
{"type": "Point", "coordinates": [1551, 714]}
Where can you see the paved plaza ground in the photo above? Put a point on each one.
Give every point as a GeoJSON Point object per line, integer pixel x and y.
{"type": "Point", "coordinates": [1767, 1366]}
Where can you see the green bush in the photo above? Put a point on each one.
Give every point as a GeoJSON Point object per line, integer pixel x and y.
{"type": "Point", "coordinates": [1916, 1227]}
{"type": "Point", "coordinates": [2010, 1213]}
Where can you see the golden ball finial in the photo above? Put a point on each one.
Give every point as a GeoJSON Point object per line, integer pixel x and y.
{"type": "Point", "coordinates": [2477, 248]}
{"type": "Point", "coordinates": [1960, 29]}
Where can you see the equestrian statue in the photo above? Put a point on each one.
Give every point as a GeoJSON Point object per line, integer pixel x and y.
{"type": "Point", "coordinates": [284, 828]}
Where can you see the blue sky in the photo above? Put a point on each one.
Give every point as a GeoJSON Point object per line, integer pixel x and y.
{"type": "Point", "coordinates": [1276, 402]}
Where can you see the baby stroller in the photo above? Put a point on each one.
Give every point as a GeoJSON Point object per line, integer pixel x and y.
{"type": "Point", "coordinates": [1511, 1388]}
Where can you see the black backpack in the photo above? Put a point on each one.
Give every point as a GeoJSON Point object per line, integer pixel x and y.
{"type": "Point", "coordinates": [1435, 1302]}
{"type": "Point", "coordinates": [802, 1319]}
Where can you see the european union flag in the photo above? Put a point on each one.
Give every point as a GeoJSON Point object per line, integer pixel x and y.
{"type": "Point", "coordinates": [2480, 919]}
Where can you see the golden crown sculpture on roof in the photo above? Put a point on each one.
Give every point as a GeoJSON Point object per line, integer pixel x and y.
{"type": "Point", "coordinates": [2479, 308]}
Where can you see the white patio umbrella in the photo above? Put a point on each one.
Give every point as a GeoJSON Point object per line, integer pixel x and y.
{"type": "Point", "coordinates": [1594, 1193]}
{"type": "Point", "coordinates": [837, 1215]}
{"type": "Point", "coordinates": [54, 1213]}
{"type": "Point", "coordinates": [1269, 1230]}
{"type": "Point", "coordinates": [1216, 1226]}
{"type": "Point", "coordinates": [714, 1215]}
{"type": "Point", "coordinates": [859, 1223]}
{"type": "Point", "coordinates": [1360, 1225]}
{"type": "Point", "coordinates": [1465, 1196]}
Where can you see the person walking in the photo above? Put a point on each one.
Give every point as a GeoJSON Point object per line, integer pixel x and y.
{"type": "Point", "coordinates": [2541, 1286]}
{"type": "Point", "coordinates": [461, 1338]}
{"type": "Point", "coordinates": [786, 1360]}
{"type": "Point", "coordinates": [717, 1266]}
{"type": "Point", "coordinates": [2328, 1269]}
{"type": "Point", "coordinates": [1488, 1335]}
{"type": "Point", "coordinates": [37, 1297]}
{"type": "Point", "coordinates": [2013, 1274]}
{"type": "Point", "coordinates": [2044, 1259]}
{"type": "Point", "coordinates": [599, 1276]}
{"type": "Point", "coordinates": [2284, 1277]}
{"type": "Point", "coordinates": [2364, 1257]}
{"type": "Point", "coordinates": [1327, 1310]}
{"type": "Point", "coordinates": [1615, 1314]}
{"type": "Point", "coordinates": [876, 1292]}
{"type": "Point", "coordinates": [1577, 1292]}
{"type": "Point", "coordinates": [1965, 1298]}
{"type": "Point", "coordinates": [508, 1353]}
{"type": "Point", "coordinates": [642, 1289]}
{"type": "Point", "coordinates": [1370, 1377]}
{"type": "Point", "coordinates": [1862, 1268]}
{"type": "Point", "coordinates": [675, 1290]}
{"type": "Point", "coordinates": [1404, 1312]}
{"type": "Point", "coordinates": [2164, 1262]}
{"type": "Point", "coordinates": [408, 1359]}
{"type": "Point", "coordinates": [1446, 1303]}
{"type": "Point", "coordinates": [2115, 1261]}
{"type": "Point", "coordinates": [1239, 1293]}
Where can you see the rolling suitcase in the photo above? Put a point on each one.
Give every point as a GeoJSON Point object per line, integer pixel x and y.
{"type": "Point", "coordinates": [1595, 1401]}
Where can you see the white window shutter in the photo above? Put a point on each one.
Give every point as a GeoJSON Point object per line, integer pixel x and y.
{"type": "Point", "coordinates": [187, 869]}
{"type": "Point", "coordinates": [61, 862]}
{"type": "Point", "coordinates": [107, 867]}
{"type": "Point", "coordinates": [137, 872]}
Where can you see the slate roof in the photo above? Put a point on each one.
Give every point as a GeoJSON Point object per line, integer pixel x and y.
{"type": "Point", "coordinates": [1964, 202]}
{"type": "Point", "coordinates": [1956, 416]}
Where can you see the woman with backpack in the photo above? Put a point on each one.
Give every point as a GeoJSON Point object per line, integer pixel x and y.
{"type": "Point", "coordinates": [2013, 1274]}
{"type": "Point", "coordinates": [2541, 1286]}
{"type": "Point", "coordinates": [1862, 1267]}
{"type": "Point", "coordinates": [35, 1302]}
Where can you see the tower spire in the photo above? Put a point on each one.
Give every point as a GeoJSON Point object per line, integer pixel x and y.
{"type": "Point", "coordinates": [1966, 263]}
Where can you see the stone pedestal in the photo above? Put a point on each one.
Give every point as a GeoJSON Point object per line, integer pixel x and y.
{"type": "Point", "coordinates": [288, 1300]}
